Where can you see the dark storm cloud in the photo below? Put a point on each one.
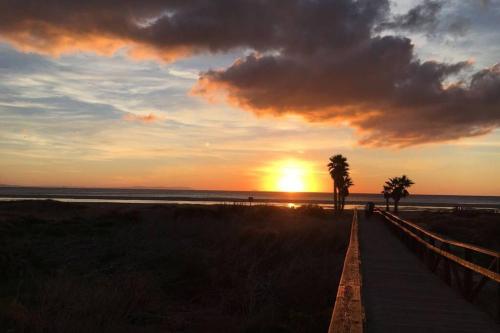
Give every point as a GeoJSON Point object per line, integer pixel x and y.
{"type": "Point", "coordinates": [172, 28]}
{"type": "Point", "coordinates": [379, 88]}
{"type": "Point", "coordinates": [317, 58]}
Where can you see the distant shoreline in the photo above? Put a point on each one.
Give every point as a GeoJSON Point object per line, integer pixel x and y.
{"type": "Point", "coordinates": [6, 187]}
{"type": "Point", "coordinates": [210, 197]}
{"type": "Point", "coordinates": [216, 200]}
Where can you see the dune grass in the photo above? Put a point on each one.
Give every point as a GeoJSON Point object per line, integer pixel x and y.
{"type": "Point", "coordinates": [476, 227]}
{"type": "Point", "coordinates": [71, 267]}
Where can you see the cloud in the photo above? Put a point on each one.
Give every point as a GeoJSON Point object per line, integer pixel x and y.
{"type": "Point", "coordinates": [377, 84]}
{"type": "Point", "coordinates": [379, 88]}
{"type": "Point", "coordinates": [323, 59]}
{"type": "Point", "coordinates": [422, 17]}
{"type": "Point", "coordinates": [172, 28]}
{"type": "Point", "coordinates": [148, 118]}
{"type": "Point", "coordinates": [427, 18]}
{"type": "Point", "coordinates": [485, 3]}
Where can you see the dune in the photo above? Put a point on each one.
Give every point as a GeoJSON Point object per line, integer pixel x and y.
{"type": "Point", "coordinates": [82, 267]}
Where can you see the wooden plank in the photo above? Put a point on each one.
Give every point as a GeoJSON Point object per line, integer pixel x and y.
{"type": "Point", "coordinates": [462, 262]}
{"type": "Point", "coordinates": [441, 239]}
{"type": "Point", "coordinates": [401, 295]}
{"type": "Point", "coordinates": [348, 313]}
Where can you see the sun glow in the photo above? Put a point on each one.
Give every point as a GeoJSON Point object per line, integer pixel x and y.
{"type": "Point", "coordinates": [289, 176]}
{"type": "Point", "coordinates": [291, 179]}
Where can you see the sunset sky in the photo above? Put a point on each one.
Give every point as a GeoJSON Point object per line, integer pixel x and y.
{"type": "Point", "coordinates": [240, 94]}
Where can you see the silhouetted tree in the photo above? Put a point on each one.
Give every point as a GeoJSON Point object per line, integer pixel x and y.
{"type": "Point", "coordinates": [344, 190]}
{"type": "Point", "coordinates": [399, 190]}
{"type": "Point", "coordinates": [338, 169]}
{"type": "Point", "coordinates": [387, 194]}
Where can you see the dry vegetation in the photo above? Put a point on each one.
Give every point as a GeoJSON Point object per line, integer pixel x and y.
{"type": "Point", "coordinates": [148, 268]}
{"type": "Point", "coordinates": [473, 227]}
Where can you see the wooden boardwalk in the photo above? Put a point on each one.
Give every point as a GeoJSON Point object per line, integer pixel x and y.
{"type": "Point", "coordinates": [400, 294]}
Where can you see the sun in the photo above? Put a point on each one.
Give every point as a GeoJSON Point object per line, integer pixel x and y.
{"type": "Point", "coordinates": [291, 179]}
{"type": "Point", "coordinates": [289, 176]}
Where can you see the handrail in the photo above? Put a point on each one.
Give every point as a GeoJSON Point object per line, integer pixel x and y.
{"type": "Point", "coordinates": [348, 313]}
{"type": "Point", "coordinates": [444, 240]}
{"type": "Point", "coordinates": [463, 262]}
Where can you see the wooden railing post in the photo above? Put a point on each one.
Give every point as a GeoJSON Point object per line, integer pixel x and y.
{"type": "Point", "coordinates": [467, 277]}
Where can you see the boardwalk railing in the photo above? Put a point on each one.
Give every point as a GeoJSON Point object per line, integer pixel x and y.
{"type": "Point", "coordinates": [348, 314]}
{"type": "Point", "coordinates": [465, 266]}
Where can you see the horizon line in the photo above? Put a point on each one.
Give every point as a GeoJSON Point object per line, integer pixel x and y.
{"type": "Point", "coordinates": [187, 188]}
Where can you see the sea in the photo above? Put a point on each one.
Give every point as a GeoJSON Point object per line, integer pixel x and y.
{"type": "Point", "coordinates": [207, 197]}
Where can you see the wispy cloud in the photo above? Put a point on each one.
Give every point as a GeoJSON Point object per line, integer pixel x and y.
{"type": "Point", "coordinates": [147, 118]}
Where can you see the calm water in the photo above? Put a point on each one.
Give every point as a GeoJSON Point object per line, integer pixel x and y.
{"type": "Point", "coordinates": [211, 197]}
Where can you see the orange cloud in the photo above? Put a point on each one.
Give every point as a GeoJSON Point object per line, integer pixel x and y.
{"type": "Point", "coordinates": [55, 43]}
{"type": "Point", "coordinates": [149, 118]}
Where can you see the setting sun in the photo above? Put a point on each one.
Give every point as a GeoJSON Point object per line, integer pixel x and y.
{"type": "Point", "coordinates": [291, 179]}
{"type": "Point", "coordinates": [289, 176]}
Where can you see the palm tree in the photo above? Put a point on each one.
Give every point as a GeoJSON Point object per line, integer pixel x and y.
{"type": "Point", "coordinates": [399, 190]}
{"type": "Point", "coordinates": [344, 190]}
{"type": "Point", "coordinates": [338, 169]}
{"type": "Point", "coordinates": [387, 195]}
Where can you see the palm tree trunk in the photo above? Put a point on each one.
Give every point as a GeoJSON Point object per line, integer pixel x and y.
{"type": "Point", "coordinates": [396, 203]}
{"type": "Point", "coordinates": [335, 202]}
{"type": "Point", "coordinates": [387, 204]}
{"type": "Point", "coordinates": [339, 199]}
